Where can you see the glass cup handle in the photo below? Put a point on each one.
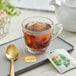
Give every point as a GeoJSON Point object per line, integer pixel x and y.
{"type": "Point", "coordinates": [57, 30]}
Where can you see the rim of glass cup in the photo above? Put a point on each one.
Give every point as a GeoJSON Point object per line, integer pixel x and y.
{"type": "Point", "coordinates": [37, 32]}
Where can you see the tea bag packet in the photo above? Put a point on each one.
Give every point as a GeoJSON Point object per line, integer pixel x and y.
{"type": "Point", "coordinates": [61, 60]}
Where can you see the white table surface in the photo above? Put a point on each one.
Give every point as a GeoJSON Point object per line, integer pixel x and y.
{"type": "Point", "coordinates": [16, 32]}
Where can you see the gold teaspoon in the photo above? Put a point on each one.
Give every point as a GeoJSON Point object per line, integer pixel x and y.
{"type": "Point", "coordinates": [12, 54]}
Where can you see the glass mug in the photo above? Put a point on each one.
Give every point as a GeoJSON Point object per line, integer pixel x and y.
{"type": "Point", "coordinates": [38, 32]}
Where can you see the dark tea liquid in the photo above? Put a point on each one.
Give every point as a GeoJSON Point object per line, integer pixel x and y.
{"type": "Point", "coordinates": [37, 42]}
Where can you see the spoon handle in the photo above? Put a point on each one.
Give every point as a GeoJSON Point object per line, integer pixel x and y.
{"type": "Point", "coordinates": [12, 68]}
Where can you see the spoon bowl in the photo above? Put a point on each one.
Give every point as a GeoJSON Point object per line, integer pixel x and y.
{"type": "Point", "coordinates": [12, 54]}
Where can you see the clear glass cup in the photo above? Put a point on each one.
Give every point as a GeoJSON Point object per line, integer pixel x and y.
{"type": "Point", "coordinates": [4, 24]}
{"type": "Point", "coordinates": [38, 33]}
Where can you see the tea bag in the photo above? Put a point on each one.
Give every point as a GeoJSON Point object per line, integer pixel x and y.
{"type": "Point", "coordinates": [37, 26]}
{"type": "Point", "coordinates": [61, 60]}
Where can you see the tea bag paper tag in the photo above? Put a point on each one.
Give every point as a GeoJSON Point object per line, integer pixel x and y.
{"type": "Point", "coordinates": [61, 60]}
{"type": "Point", "coordinates": [30, 58]}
